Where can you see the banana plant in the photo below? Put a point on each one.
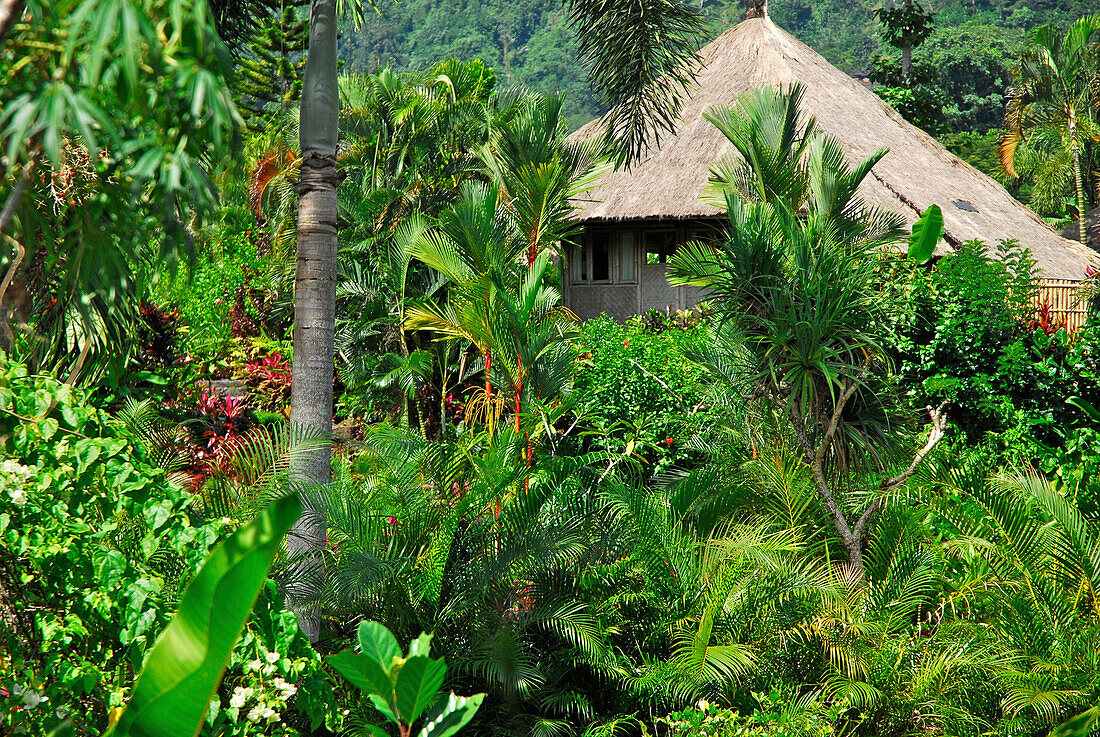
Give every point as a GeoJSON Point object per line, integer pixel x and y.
{"type": "Point", "coordinates": [405, 689]}
{"type": "Point", "coordinates": [172, 695]}
{"type": "Point", "coordinates": [927, 232]}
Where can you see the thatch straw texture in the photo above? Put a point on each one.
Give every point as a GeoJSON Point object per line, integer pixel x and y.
{"type": "Point", "coordinates": [1092, 229]}
{"type": "Point", "coordinates": [916, 173]}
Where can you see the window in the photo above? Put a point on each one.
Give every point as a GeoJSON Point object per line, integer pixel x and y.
{"type": "Point", "coordinates": [601, 256]}
{"type": "Point", "coordinates": [626, 256]}
{"type": "Point", "coordinates": [607, 257]}
{"type": "Point", "coordinates": [659, 245]}
{"type": "Point", "coordinates": [579, 263]}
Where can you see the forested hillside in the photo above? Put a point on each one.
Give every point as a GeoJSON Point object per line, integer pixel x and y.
{"type": "Point", "coordinates": [529, 42]}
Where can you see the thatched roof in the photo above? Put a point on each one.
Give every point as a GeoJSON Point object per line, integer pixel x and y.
{"type": "Point", "coordinates": [916, 173]}
{"type": "Point", "coordinates": [1092, 229]}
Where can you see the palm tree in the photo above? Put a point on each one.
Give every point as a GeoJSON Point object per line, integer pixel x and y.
{"type": "Point", "coordinates": [539, 171]}
{"type": "Point", "coordinates": [640, 55]}
{"type": "Point", "coordinates": [403, 542]}
{"type": "Point", "coordinates": [1054, 100]}
{"type": "Point", "coordinates": [1038, 556]}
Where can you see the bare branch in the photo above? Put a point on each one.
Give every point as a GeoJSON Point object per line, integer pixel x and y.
{"type": "Point", "coordinates": [834, 419]}
{"type": "Point", "coordinates": [7, 215]}
{"type": "Point", "coordinates": [864, 518]}
{"type": "Point", "coordinates": [935, 435]}
{"type": "Point", "coordinates": [667, 388]}
{"type": "Point", "coordinates": [821, 484]}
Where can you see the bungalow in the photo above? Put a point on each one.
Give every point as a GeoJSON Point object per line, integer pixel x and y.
{"type": "Point", "coordinates": [634, 218]}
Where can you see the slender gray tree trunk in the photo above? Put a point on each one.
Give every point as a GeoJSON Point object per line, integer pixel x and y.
{"type": "Point", "coordinates": [1079, 183]}
{"type": "Point", "coordinates": [315, 288]}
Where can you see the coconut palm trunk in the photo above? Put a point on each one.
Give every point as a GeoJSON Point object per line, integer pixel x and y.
{"type": "Point", "coordinates": [642, 78]}
{"type": "Point", "coordinates": [315, 277]}
{"type": "Point", "coordinates": [1079, 183]}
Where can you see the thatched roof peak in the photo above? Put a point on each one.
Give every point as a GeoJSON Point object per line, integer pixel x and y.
{"type": "Point", "coordinates": [916, 173]}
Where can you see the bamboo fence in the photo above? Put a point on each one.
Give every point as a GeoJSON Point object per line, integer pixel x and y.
{"type": "Point", "coordinates": [1065, 300]}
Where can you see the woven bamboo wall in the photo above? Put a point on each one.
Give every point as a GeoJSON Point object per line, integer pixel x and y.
{"type": "Point", "coordinates": [1066, 299]}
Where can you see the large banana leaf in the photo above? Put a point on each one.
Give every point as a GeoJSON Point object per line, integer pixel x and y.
{"type": "Point", "coordinates": [927, 232]}
{"type": "Point", "coordinates": [173, 693]}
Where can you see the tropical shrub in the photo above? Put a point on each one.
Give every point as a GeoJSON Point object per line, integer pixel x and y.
{"type": "Point", "coordinates": [267, 377]}
{"type": "Point", "coordinates": [1015, 382]}
{"type": "Point", "coordinates": [775, 715]}
{"type": "Point", "coordinates": [405, 687]}
{"type": "Point", "coordinates": [220, 295]}
{"type": "Point", "coordinates": [404, 521]}
{"type": "Point", "coordinates": [638, 390]}
{"type": "Point", "coordinates": [96, 547]}
{"type": "Point", "coordinates": [962, 337]}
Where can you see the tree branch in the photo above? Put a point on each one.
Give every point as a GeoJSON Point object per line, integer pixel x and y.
{"type": "Point", "coordinates": [667, 388]}
{"type": "Point", "coordinates": [935, 435]}
{"type": "Point", "coordinates": [7, 215]}
{"type": "Point", "coordinates": [838, 409]}
{"type": "Point", "coordinates": [809, 456]}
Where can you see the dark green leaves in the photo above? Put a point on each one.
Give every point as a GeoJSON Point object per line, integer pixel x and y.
{"type": "Point", "coordinates": [173, 694]}
{"type": "Point", "coordinates": [641, 56]}
{"type": "Point", "coordinates": [927, 232]}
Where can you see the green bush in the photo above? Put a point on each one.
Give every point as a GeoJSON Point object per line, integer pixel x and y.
{"type": "Point", "coordinates": [962, 337]}
{"type": "Point", "coordinates": [775, 716]}
{"type": "Point", "coordinates": [637, 388]}
{"type": "Point", "coordinates": [96, 546]}
{"type": "Point", "coordinates": [205, 291]}
{"type": "Point", "coordinates": [971, 336]}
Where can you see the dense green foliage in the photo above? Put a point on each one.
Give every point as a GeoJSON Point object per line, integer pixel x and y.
{"type": "Point", "coordinates": [852, 494]}
{"type": "Point", "coordinates": [527, 42]}
{"type": "Point", "coordinates": [98, 546]}
{"type": "Point", "coordinates": [637, 389]}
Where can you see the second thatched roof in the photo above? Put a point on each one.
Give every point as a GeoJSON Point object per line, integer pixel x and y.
{"type": "Point", "coordinates": [916, 173]}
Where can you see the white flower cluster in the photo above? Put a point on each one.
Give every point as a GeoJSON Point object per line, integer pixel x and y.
{"type": "Point", "coordinates": [264, 713]}
{"type": "Point", "coordinates": [240, 697]}
{"type": "Point", "coordinates": [31, 698]}
{"type": "Point", "coordinates": [265, 669]}
{"type": "Point", "coordinates": [13, 476]}
{"type": "Point", "coordinates": [261, 704]}
{"type": "Point", "coordinates": [286, 690]}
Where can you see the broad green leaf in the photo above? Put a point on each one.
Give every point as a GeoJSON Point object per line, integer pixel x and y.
{"type": "Point", "coordinates": [173, 693]}
{"type": "Point", "coordinates": [363, 672]}
{"type": "Point", "coordinates": [927, 232]}
{"type": "Point", "coordinates": [377, 642]}
{"type": "Point", "coordinates": [376, 730]}
{"type": "Point", "coordinates": [451, 715]}
{"type": "Point", "coordinates": [421, 645]}
{"type": "Point", "coordinates": [1085, 406]}
{"type": "Point", "coordinates": [417, 685]}
{"type": "Point", "coordinates": [65, 729]}
{"type": "Point", "coordinates": [383, 705]}
{"type": "Point", "coordinates": [1081, 725]}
